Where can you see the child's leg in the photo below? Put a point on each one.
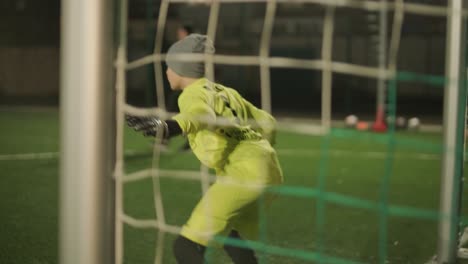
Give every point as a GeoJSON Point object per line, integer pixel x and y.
{"type": "Point", "coordinates": [188, 252]}
{"type": "Point", "coordinates": [213, 215]}
{"type": "Point", "coordinates": [240, 255]}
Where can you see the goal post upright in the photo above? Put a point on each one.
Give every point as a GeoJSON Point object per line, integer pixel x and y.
{"type": "Point", "coordinates": [452, 158]}
{"type": "Point", "coordinates": [87, 123]}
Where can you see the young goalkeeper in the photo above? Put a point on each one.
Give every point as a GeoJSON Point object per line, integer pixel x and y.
{"type": "Point", "coordinates": [218, 124]}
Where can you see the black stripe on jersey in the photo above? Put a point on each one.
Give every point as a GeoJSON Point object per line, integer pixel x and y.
{"type": "Point", "coordinates": [224, 98]}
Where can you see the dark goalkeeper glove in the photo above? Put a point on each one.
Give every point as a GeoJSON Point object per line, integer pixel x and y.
{"type": "Point", "coordinates": [150, 126]}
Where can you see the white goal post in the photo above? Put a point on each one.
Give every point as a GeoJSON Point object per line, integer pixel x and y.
{"type": "Point", "coordinates": [87, 126]}
{"type": "Point", "coordinates": [454, 107]}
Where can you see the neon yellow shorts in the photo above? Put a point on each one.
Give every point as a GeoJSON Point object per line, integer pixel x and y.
{"type": "Point", "coordinates": [224, 207]}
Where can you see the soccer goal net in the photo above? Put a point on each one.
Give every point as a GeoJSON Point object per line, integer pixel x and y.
{"type": "Point", "coordinates": [349, 196]}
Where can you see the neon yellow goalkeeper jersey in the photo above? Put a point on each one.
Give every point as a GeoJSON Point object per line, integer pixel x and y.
{"type": "Point", "coordinates": [222, 128]}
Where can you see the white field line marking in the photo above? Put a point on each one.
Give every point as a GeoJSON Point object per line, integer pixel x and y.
{"type": "Point", "coordinates": [285, 152]}
{"type": "Point", "coordinates": [30, 156]}
{"type": "Point", "coordinates": [359, 154]}
{"type": "Point", "coordinates": [46, 155]}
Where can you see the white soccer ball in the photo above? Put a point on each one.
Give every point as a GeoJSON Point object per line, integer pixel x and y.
{"type": "Point", "coordinates": [400, 122]}
{"type": "Point", "coordinates": [414, 123]}
{"type": "Point", "coordinates": [390, 120]}
{"type": "Point", "coordinates": [351, 121]}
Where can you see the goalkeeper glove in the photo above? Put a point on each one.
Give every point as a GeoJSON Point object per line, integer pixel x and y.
{"type": "Point", "coordinates": [149, 126]}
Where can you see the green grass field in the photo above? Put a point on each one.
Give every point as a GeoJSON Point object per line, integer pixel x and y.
{"type": "Point", "coordinates": [343, 223]}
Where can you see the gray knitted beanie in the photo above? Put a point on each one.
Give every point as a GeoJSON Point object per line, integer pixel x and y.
{"type": "Point", "coordinates": [193, 43]}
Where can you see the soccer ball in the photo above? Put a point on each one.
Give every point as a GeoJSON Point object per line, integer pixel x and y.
{"type": "Point", "coordinates": [390, 120]}
{"type": "Point", "coordinates": [400, 122]}
{"type": "Point", "coordinates": [414, 123]}
{"type": "Point", "coordinates": [351, 121]}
